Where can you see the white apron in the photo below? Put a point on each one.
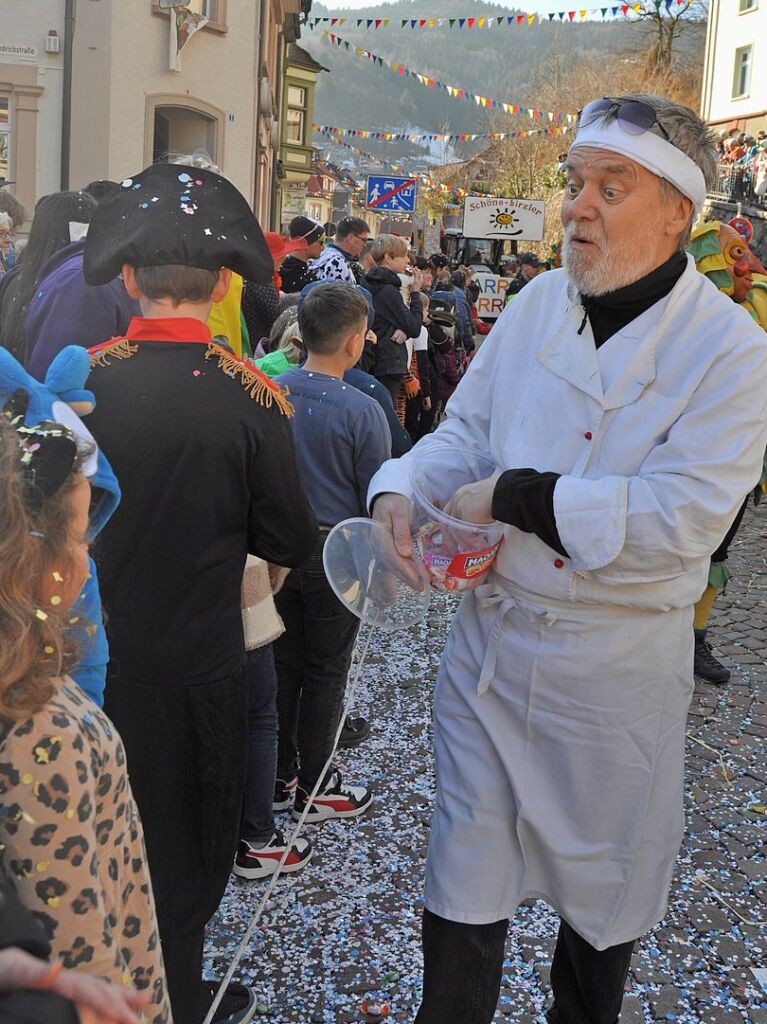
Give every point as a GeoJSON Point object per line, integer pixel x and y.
{"type": "Point", "coordinates": [563, 692]}
{"type": "Point", "coordinates": [559, 775]}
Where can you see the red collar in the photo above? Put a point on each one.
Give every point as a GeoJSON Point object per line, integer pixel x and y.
{"type": "Point", "coordinates": [172, 328]}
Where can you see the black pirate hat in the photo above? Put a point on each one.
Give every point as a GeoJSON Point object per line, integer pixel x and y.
{"type": "Point", "coordinates": [171, 214]}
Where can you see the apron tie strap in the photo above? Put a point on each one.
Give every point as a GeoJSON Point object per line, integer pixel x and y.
{"type": "Point", "coordinates": [488, 594]}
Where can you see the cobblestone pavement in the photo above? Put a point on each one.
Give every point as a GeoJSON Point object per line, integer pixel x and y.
{"type": "Point", "coordinates": [346, 930]}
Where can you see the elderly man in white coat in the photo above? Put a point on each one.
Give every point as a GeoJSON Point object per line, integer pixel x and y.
{"type": "Point", "coordinates": [623, 398]}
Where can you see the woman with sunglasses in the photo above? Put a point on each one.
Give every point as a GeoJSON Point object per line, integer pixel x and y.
{"type": "Point", "coordinates": [624, 401]}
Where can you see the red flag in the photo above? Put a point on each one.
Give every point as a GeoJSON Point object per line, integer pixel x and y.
{"type": "Point", "coordinates": [520, 19]}
{"type": "Point", "coordinates": [571, 15]}
{"type": "Point", "coordinates": [470, 22]}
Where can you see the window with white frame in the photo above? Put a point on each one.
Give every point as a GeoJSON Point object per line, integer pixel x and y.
{"type": "Point", "coordinates": [744, 6]}
{"type": "Point", "coordinates": [295, 119]}
{"type": "Point", "coordinates": [5, 137]}
{"type": "Point", "coordinates": [741, 83]}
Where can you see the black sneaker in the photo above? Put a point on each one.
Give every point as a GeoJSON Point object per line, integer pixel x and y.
{"type": "Point", "coordinates": [254, 861]}
{"type": "Point", "coordinates": [334, 800]}
{"type": "Point", "coordinates": [355, 730]}
{"type": "Point", "coordinates": [284, 793]}
{"type": "Point", "coordinates": [706, 665]}
{"type": "Point", "coordinates": [237, 1006]}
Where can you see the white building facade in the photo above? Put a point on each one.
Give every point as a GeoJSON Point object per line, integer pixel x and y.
{"type": "Point", "coordinates": [734, 90]}
{"type": "Point", "coordinates": [31, 91]}
{"type": "Point", "coordinates": [87, 91]}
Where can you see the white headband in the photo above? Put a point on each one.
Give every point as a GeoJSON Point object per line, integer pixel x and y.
{"type": "Point", "coordinates": [651, 151]}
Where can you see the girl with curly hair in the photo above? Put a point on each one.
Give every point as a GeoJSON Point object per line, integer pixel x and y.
{"type": "Point", "coordinates": [70, 835]}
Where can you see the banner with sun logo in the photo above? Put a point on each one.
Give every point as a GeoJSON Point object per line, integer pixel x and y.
{"type": "Point", "coordinates": [515, 219]}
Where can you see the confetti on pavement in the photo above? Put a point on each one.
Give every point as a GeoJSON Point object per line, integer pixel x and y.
{"type": "Point", "coordinates": [346, 931]}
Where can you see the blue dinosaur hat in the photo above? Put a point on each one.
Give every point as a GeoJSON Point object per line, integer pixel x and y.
{"type": "Point", "coordinates": [63, 398]}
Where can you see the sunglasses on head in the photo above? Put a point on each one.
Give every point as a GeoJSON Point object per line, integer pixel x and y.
{"type": "Point", "coordinates": [634, 116]}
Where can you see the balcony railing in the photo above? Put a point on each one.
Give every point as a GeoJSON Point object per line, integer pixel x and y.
{"type": "Point", "coordinates": [735, 183]}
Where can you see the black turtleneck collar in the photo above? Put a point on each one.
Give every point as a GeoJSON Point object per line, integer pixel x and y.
{"type": "Point", "coordinates": [610, 313]}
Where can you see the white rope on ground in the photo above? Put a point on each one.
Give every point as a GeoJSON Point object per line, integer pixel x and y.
{"type": "Point", "coordinates": [351, 688]}
{"type": "Point", "coordinates": [718, 896]}
{"type": "Point", "coordinates": [713, 750]}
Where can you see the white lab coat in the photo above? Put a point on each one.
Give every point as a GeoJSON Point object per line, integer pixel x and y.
{"type": "Point", "coordinates": [562, 697]}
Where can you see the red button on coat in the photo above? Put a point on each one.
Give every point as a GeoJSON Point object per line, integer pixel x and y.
{"type": "Point", "coordinates": [558, 563]}
{"type": "Point", "coordinates": [588, 435]}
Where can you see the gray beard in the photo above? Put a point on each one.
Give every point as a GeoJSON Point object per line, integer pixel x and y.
{"type": "Point", "coordinates": [610, 270]}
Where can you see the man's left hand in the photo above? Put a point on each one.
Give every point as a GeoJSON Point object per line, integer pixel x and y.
{"type": "Point", "coordinates": [473, 503]}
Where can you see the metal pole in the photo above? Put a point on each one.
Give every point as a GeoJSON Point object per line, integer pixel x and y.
{"type": "Point", "coordinates": [66, 103]}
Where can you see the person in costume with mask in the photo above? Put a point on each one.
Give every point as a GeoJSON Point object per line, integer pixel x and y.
{"type": "Point", "coordinates": [722, 254]}
{"type": "Point", "coordinates": [611, 395]}
{"type": "Point", "coordinates": [201, 444]}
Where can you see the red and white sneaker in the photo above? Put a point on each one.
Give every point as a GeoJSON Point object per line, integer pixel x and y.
{"type": "Point", "coordinates": [284, 793]}
{"type": "Point", "coordinates": [261, 861]}
{"type": "Point", "coordinates": [334, 800]}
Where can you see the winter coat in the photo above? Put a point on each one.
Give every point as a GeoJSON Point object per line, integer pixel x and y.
{"type": "Point", "coordinates": [295, 274]}
{"type": "Point", "coordinates": [66, 311]}
{"type": "Point", "coordinates": [442, 355]}
{"type": "Point", "coordinates": [400, 439]}
{"type": "Point", "coordinates": [333, 264]}
{"type": "Point", "coordinates": [260, 307]}
{"type": "Point", "coordinates": [391, 314]}
{"type": "Point", "coordinates": [464, 335]}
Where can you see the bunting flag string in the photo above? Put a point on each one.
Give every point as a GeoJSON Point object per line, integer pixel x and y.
{"type": "Point", "coordinates": [430, 184]}
{"type": "Point", "coordinates": [455, 91]}
{"type": "Point", "coordinates": [422, 137]}
{"type": "Point", "coordinates": [425, 179]}
{"type": "Point", "coordinates": [617, 11]}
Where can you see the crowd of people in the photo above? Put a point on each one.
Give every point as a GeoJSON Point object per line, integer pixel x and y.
{"type": "Point", "coordinates": [742, 164]}
{"type": "Point", "coordinates": [200, 519]}
{"type": "Point", "coordinates": [201, 402]}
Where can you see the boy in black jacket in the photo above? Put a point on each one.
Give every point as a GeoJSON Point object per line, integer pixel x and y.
{"type": "Point", "coordinates": [201, 444]}
{"type": "Point", "coordinates": [394, 322]}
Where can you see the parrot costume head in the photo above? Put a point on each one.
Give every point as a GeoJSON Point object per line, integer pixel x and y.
{"type": "Point", "coordinates": [722, 254]}
{"type": "Point", "coordinates": [62, 397]}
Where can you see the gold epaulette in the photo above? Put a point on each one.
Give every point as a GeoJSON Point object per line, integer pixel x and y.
{"type": "Point", "coordinates": [117, 348]}
{"type": "Point", "coordinates": [256, 383]}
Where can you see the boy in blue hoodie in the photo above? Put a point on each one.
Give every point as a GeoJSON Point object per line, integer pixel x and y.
{"type": "Point", "coordinates": [342, 438]}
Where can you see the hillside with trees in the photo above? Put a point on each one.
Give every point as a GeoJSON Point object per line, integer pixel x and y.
{"type": "Point", "coordinates": [532, 66]}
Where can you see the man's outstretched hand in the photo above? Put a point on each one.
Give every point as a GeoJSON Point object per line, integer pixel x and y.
{"type": "Point", "coordinates": [393, 512]}
{"type": "Point", "coordinates": [473, 503]}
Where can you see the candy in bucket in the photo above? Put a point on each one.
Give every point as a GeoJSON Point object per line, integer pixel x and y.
{"type": "Point", "coordinates": [457, 555]}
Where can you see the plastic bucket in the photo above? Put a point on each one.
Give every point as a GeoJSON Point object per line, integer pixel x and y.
{"type": "Point", "coordinates": [457, 555]}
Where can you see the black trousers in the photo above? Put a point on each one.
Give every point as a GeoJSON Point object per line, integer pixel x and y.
{"type": "Point", "coordinates": [312, 658]}
{"type": "Point", "coordinates": [463, 965]}
{"type": "Point", "coordinates": [418, 421]}
{"type": "Point", "coordinates": [721, 553]}
{"type": "Point", "coordinates": [186, 749]}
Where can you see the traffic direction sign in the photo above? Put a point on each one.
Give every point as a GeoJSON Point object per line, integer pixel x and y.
{"type": "Point", "coordinates": [391, 193]}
